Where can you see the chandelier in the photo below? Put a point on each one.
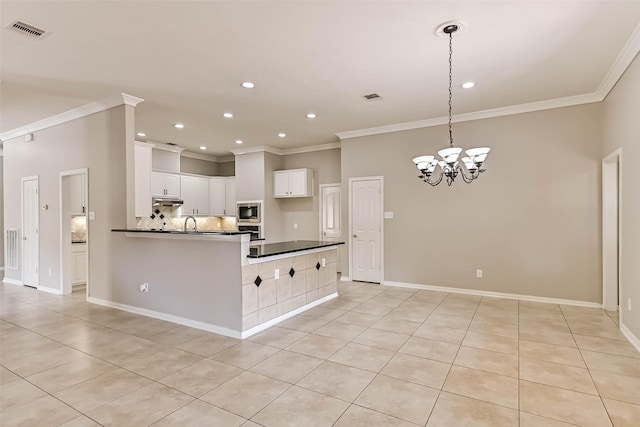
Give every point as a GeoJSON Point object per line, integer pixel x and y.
{"type": "Point", "coordinates": [449, 166]}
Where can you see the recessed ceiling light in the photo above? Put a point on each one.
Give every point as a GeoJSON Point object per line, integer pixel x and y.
{"type": "Point", "coordinates": [468, 85]}
{"type": "Point", "coordinates": [282, 135]}
{"type": "Point", "coordinates": [238, 141]}
{"type": "Point", "coordinates": [141, 134]}
{"type": "Point", "coordinates": [248, 85]}
{"type": "Point", "coordinates": [311, 116]}
{"type": "Point", "coordinates": [178, 126]}
{"type": "Point", "coordinates": [228, 115]}
{"type": "Point", "coordinates": [202, 147]}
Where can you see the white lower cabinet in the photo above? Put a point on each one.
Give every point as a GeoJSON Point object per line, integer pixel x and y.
{"type": "Point", "coordinates": [78, 263]}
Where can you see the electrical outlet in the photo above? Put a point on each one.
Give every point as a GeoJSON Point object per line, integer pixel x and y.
{"type": "Point", "coordinates": [49, 272]}
{"type": "Point", "coordinates": [479, 274]}
{"type": "Point", "coordinates": [277, 273]}
{"type": "Point", "coordinates": [629, 304]}
{"type": "Point", "coordinates": [324, 262]}
{"type": "Point", "coordinates": [144, 288]}
{"type": "Point", "coordinates": [295, 225]}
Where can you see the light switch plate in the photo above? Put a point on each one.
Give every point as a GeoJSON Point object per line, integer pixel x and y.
{"type": "Point", "coordinates": [92, 215]}
{"type": "Point", "coordinates": [277, 273]}
{"type": "Point", "coordinates": [388, 215]}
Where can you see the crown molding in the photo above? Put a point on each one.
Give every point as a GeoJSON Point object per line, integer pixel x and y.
{"type": "Point", "coordinates": [73, 114]}
{"type": "Point", "coordinates": [620, 65]}
{"type": "Point", "coordinates": [312, 148]}
{"type": "Point", "coordinates": [287, 151]}
{"type": "Point", "coordinates": [207, 158]}
{"type": "Point", "coordinates": [476, 115]}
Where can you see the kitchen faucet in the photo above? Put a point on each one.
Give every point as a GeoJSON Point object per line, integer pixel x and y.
{"type": "Point", "coordinates": [195, 224]}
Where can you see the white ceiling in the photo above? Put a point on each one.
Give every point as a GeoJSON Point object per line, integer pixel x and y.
{"type": "Point", "coordinates": [187, 60]}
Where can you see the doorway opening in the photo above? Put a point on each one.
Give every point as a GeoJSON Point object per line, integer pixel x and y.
{"type": "Point", "coordinates": [611, 185]}
{"type": "Point", "coordinates": [366, 234]}
{"type": "Point", "coordinates": [74, 231]}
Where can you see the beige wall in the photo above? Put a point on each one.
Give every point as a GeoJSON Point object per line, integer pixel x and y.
{"type": "Point", "coordinates": [273, 224]}
{"type": "Point", "coordinates": [305, 211]}
{"type": "Point", "coordinates": [621, 130]}
{"type": "Point", "coordinates": [206, 167]}
{"type": "Point", "coordinates": [97, 142]}
{"type": "Point", "coordinates": [250, 180]}
{"type": "Point", "coordinates": [531, 222]}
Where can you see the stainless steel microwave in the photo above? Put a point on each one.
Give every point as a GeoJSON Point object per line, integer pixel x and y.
{"type": "Point", "coordinates": [249, 212]}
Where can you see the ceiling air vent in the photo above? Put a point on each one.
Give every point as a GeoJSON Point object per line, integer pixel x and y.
{"type": "Point", "coordinates": [29, 30]}
{"type": "Point", "coordinates": [372, 97]}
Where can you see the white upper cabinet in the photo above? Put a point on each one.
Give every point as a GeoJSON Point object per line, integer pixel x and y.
{"type": "Point", "coordinates": [195, 194]}
{"type": "Point", "coordinates": [76, 194]}
{"type": "Point", "coordinates": [222, 196]}
{"type": "Point", "coordinates": [230, 196]}
{"type": "Point", "coordinates": [165, 185]}
{"type": "Point", "coordinates": [142, 179]}
{"type": "Point", "coordinates": [293, 183]}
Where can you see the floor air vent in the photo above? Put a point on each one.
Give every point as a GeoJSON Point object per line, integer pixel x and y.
{"type": "Point", "coordinates": [28, 29]}
{"type": "Point", "coordinates": [11, 249]}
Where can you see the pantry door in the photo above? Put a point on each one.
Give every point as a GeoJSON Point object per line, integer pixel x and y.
{"type": "Point", "coordinates": [30, 239]}
{"type": "Point", "coordinates": [365, 195]}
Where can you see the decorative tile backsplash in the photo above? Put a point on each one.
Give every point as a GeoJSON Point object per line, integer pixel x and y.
{"type": "Point", "coordinates": [165, 217]}
{"type": "Point", "coordinates": [78, 228]}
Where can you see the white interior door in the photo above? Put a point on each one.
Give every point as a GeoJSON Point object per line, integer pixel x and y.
{"type": "Point", "coordinates": [331, 216]}
{"type": "Point", "coordinates": [30, 231]}
{"type": "Point", "coordinates": [366, 227]}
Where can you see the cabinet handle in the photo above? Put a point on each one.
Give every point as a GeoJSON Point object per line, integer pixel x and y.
{"type": "Point", "coordinates": [83, 209]}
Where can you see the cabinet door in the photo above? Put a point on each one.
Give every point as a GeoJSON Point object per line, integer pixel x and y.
{"type": "Point", "coordinates": [230, 200]}
{"type": "Point", "coordinates": [158, 184]}
{"type": "Point", "coordinates": [217, 196]}
{"type": "Point", "coordinates": [79, 267]}
{"type": "Point", "coordinates": [76, 194]}
{"type": "Point", "coordinates": [202, 196]}
{"type": "Point", "coordinates": [298, 183]}
{"type": "Point", "coordinates": [188, 191]}
{"type": "Point", "coordinates": [281, 184]}
{"type": "Point", "coordinates": [142, 180]}
{"type": "Point", "coordinates": [172, 184]}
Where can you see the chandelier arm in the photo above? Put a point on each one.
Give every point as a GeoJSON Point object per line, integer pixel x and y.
{"type": "Point", "coordinates": [436, 182]}
{"type": "Point", "coordinates": [467, 178]}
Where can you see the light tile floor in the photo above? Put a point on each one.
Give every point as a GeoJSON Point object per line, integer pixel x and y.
{"type": "Point", "coordinates": [375, 356]}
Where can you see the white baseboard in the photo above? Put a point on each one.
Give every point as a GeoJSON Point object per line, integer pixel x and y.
{"type": "Point", "coordinates": [12, 282]}
{"type": "Point", "coordinates": [208, 326]}
{"type": "Point", "coordinates": [261, 327]}
{"type": "Point", "coordinates": [345, 278]}
{"type": "Point", "coordinates": [634, 340]}
{"type": "Point", "coordinates": [494, 294]}
{"type": "Point", "coordinates": [50, 290]}
{"type": "Point", "coordinates": [168, 317]}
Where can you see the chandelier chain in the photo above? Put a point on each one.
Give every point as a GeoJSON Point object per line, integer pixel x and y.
{"type": "Point", "coordinates": [450, 85]}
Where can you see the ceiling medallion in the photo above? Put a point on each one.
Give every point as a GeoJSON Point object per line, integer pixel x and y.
{"type": "Point", "coordinates": [449, 166]}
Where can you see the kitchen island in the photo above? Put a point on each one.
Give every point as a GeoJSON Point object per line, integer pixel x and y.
{"type": "Point", "coordinates": [216, 281]}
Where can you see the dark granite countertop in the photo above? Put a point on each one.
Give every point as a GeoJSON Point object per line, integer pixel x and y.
{"type": "Point", "coordinates": [270, 249]}
{"type": "Point", "coordinates": [190, 232]}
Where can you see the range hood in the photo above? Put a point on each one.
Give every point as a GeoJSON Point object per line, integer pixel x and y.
{"type": "Point", "coordinates": [166, 201]}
